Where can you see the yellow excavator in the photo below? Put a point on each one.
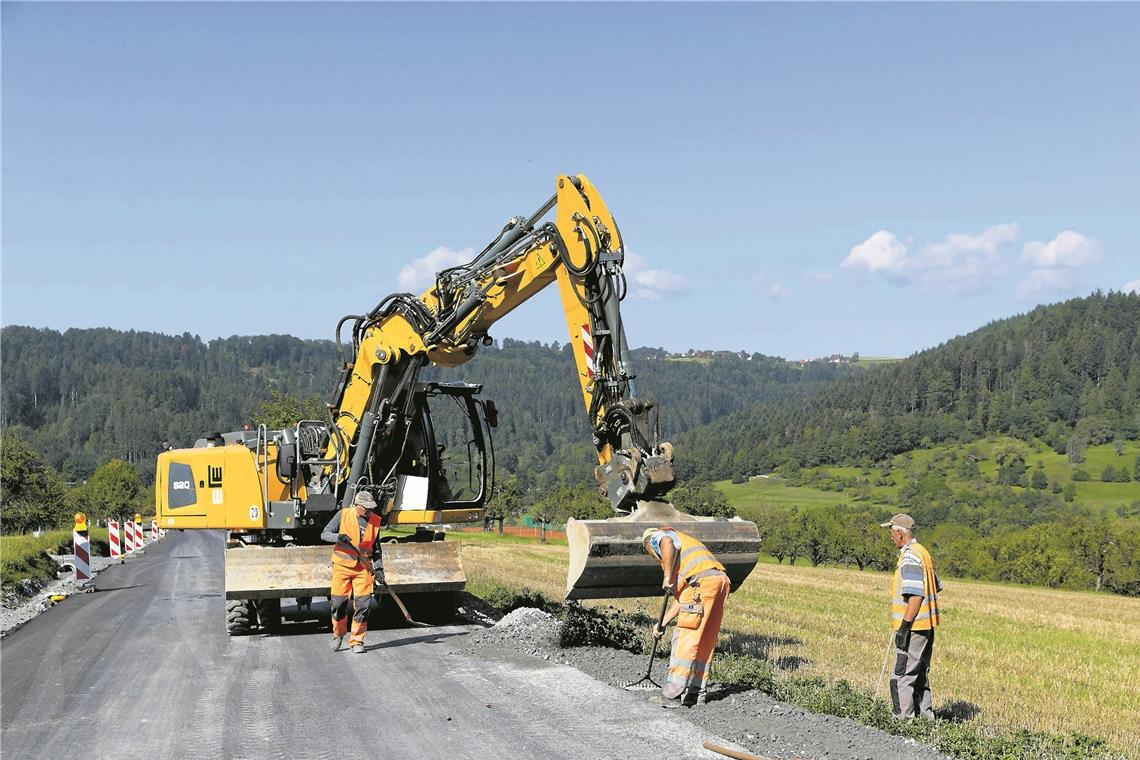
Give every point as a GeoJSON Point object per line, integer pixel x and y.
{"type": "Point", "coordinates": [423, 449]}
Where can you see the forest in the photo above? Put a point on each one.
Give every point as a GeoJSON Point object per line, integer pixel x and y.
{"type": "Point", "coordinates": [85, 413]}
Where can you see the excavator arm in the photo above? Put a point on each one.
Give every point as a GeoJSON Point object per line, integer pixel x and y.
{"type": "Point", "coordinates": [582, 249]}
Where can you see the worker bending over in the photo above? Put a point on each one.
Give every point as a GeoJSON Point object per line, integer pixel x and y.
{"type": "Point", "coordinates": [914, 615]}
{"type": "Point", "coordinates": [355, 530]}
{"type": "Point", "coordinates": [700, 587]}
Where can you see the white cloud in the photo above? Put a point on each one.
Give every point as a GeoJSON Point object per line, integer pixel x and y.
{"type": "Point", "coordinates": [964, 262]}
{"type": "Point", "coordinates": [1044, 281]}
{"type": "Point", "coordinates": [1068, 249]}
{"type": "Point", "coordinates": [1056, 266]}
{"type": "Point", "coordinates": [650, 284]}
{"type": "Point", "coordinates": [821, 277]}
{"type": "Point", "coordinates": [419, 275]}
{"type": "Point", "coordinates": [882, 252]}
{"type": "Point", "coordinates": [1131, 287]}
{"type": "Point", "coordinates": [765, 287]}
{"type": "Point", "coordinates": [961, 262]}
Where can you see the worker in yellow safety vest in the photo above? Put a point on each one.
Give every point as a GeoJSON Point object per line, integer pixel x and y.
{"type": "Point", "coordinates": [699, 586]}
{"type": "Point", "coordinates": [355, 530]}
{"type": "Point", "coordinates": [914, 614]}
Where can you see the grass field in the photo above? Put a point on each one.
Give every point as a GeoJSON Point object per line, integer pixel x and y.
{"type": "Point", "coordinates": [1022, 657]}
{"type": "Point", "coordinates": [25, 556]}
{"type": "Point", "coordinates": [768, 491]}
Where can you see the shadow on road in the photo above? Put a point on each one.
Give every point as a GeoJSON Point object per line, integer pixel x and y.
{"type": "Point", "coordinates": [428, 638]}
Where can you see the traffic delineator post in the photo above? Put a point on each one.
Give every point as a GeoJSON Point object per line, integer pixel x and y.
{"type": "Point", "coordinates": [140, 537]}
{"type": "Point", "coordinates": [132, 538]}
{"type": "Point", "coordinates": [82, 548]}
{"type": "Point", "coordinates": [154, 530]}
{"type": "Point", "coordinates": [115, 539]}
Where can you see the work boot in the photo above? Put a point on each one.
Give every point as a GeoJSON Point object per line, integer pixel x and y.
{"type": "Point", "coordinates": [336, 643]}
{"type": "Point", "coordinates": [664, 701]}
{"type": "Point", "coordinates": [358, 649]}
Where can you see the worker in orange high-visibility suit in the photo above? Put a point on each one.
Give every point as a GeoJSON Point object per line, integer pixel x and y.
{"type": "Point", "coordinates": [355, 530]}
{"type": "Point", "coordinates": [700, 588]}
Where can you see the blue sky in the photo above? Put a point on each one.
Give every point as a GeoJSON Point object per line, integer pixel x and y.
{"type": "Point", "coordinates": [791, 179]}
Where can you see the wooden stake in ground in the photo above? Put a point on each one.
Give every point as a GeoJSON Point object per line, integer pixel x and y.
{"type": "Point", "coordinates": [734, 753]}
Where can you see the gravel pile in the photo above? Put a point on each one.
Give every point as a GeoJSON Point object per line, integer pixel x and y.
{"type": "Point", "coordinates": [525, 630]}
{"type": "Point", "coordinates": [750, 718]}
{"type": "Point", "coordinates": [18, 610]}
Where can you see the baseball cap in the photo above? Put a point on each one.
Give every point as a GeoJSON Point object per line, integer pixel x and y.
{"type": "Point", "coordinates": [365, 499]}
{"type": "Point", "coordinates": [899, 521]}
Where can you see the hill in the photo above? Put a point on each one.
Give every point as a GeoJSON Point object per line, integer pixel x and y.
{"type": "Point", "coordinates": [1067, 373]}
{"type": "Point", "coordinates": [83, 397]}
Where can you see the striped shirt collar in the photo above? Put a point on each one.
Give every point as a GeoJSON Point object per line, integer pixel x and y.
{"type": "Point", "coordinates": [908, 544]}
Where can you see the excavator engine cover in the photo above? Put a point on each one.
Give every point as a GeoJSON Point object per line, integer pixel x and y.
{"type": "Point", "coordinates": [608, 559]}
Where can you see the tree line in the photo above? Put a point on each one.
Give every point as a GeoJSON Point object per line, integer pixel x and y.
{"type": "Point", "coordinates": [1067, 373]}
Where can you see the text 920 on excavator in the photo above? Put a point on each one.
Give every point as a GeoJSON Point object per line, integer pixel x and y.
{"type": "Point", "coordinates": [424, 449]}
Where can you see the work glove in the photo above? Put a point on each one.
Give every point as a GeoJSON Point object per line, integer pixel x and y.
{"type": "Point", "coordinates": [902, 635]}
{"type": "Point", "coordinates": [343, 539]}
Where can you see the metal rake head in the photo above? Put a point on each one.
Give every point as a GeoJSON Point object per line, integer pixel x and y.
{"type": "Point", "coordinates": [642, 684]}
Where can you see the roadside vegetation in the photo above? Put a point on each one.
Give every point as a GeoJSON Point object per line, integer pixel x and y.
{"type": "Point", "coordinates": [1018, 671]}
{"type": "Point", "coordinates": [997, 509]}
{"type": "Point", "coordinates": [24, 558]}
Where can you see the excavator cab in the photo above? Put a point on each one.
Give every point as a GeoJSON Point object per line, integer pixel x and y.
{"type": "Point", "coordinates": [445, 469]}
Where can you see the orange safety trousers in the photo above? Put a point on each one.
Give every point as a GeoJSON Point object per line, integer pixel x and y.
{"type": "Point", "coordinates": [357, 583]}
{"type": "Point", "coordinates": [692, 654]}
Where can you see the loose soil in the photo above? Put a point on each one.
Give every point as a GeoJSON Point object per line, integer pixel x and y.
{"type": "Point", "coordinates": [750, 718]}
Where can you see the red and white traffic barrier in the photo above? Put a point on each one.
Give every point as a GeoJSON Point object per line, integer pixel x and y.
{"type": "Point", "coordinates": [115, 539]}
{"type": "Point", "coordinates": [153, 530]}
{"type": "Point", "coordinates": [82, 548]}
{"type": "Point", "coordinates": [131, 544]}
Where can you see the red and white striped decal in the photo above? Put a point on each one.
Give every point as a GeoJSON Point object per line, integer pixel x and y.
{"type": "Point", "coordinates": [115, 538]}
{"type": "Point", "coordinates": [153, 530]}
{"type": "Point", "coordinates": [588, 348]}
{"type": "Point", "coordinates": [82, 557]}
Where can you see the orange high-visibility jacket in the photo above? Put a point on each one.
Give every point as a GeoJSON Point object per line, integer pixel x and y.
{"type": "Point", "coordinates": [359, 555]}
{"type": "Point", "coordinates": [693, 558]}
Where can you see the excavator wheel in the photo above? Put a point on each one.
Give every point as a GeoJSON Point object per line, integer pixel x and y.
{"type": "Point", "coordinates": [268, 614]}
{"type": "Point", "coordinates": [239, 617]}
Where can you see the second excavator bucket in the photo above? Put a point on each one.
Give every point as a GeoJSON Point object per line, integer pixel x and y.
{"type": "Point", "coordinates": [254, 572]}
{"type": "Point", "coordinates": [608, 560]}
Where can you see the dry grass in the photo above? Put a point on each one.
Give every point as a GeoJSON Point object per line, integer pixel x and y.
{"type": "Point", "coordinates": [1055, 661]}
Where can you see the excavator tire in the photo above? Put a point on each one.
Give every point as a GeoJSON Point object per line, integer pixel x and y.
{"type": "Point", "coordinates": [268, 614]}
{"type": "Point", "coordinates": [239, 617]}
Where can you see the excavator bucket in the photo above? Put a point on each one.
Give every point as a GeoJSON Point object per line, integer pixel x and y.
{"type": "Point", "coordinates": [254, 572]}
{"type": "Point", "coordinates": [608, 560]}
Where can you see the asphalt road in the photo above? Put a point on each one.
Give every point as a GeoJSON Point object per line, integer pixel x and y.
{"type": "Point", "coordinates": [143, 669]}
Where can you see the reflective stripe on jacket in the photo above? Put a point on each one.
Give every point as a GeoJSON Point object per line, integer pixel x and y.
{"type": "Point", "coordinates": [362, 545]}
{"type": "Point", "coordinates": [918, 579]}
{"type": "Point", "coordinates": [693, 558]}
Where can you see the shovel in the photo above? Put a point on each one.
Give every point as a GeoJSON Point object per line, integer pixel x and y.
{"type": "Point", "coordinates": [646, 682]}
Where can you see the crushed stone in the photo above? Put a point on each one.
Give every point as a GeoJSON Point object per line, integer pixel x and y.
{"type": "Point", "coordinates": [750, 718]}
{"type": "Point", "coordinates": [15, 611]}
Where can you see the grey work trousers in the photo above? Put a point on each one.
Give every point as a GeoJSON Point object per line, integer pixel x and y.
{"type": "Point", "coordinates": [910, 683]}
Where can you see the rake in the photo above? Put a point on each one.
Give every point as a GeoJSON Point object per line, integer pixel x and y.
{"type": "Point", "coordinates": [646, 682]}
